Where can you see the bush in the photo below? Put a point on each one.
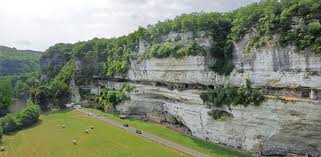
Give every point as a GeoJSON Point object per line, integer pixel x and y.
{"type": "Point", "coordinates": [163, 50]}
{"type": "Point", "coordinates": [1, 133]}
{"type": "Point", "coordinates": [42, 96]}
{"type": "Point", "coordinates": [10, 123]}
{"type": "Point", "coordinates": [29, 115]}
{"type": "Point", "coordinates": [6, 94]}
{"type": "Point", "coordinates": [295, 22]}
{"type": "Point", "coordinates": [227, 96]}
{"type": "Point", "coordinates": [110, 98]}
{"type": "Point", "coordinates": [19, 120]}
{"type": "Point", "coordinates": [128, 87]}
{"type": "Point", "coordinates": [220, 114]}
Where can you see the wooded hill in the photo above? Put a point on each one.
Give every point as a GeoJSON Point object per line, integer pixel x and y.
{"type": "Point", "coordinates": [13, 61]}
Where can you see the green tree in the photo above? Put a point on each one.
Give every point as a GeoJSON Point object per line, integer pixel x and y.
{"type": "Point", "coordinates": [42, 96]}
{"type": "Point", "coordinates": [111, 98]}
{"type": "Point", "coordinates": [1, 134]}
{"type": "Point", "coordinates": [21, 89]}
{"type": "Point", "coordinates": [29, 115]}
{"type": "Point", "coordinates": [59, 92]}
{"type": "Point", "coordinates": [6, 93]}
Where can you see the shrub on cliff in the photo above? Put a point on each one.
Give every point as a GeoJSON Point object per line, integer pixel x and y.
{"type": "Point", "coordinates": [295, 22]}
{"type": "Point", "coordinates": [228, 96]}
{"type": "Point", "coordinates": [110, 98]}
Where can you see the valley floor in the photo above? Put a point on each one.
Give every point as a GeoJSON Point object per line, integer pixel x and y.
{"type": "Point", "coordinates": [184, 140]}
{"type": "Point", "coordinates": [49, 139]}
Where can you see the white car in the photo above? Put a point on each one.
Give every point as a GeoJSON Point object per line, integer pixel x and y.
{"type": "Point", "coordinates": [77, 107]}
{"type": "Point", "coordinates": [70, 105]}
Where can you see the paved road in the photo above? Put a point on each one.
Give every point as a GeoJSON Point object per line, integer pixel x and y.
{"type": "Point", "coordinates": [146, 135]}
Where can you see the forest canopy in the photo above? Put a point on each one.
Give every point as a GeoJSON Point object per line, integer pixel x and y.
{"type": "Point", "coordinates": [13, 61]}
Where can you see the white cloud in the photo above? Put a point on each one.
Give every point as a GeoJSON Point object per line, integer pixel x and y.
{"type": "Point", "coordinates": [42, 23]}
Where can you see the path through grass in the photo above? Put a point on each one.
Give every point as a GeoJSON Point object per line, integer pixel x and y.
{"type": "Point", "coordinates": [187, 141]}
{"type": "Point", "coordinates": [49, 139]}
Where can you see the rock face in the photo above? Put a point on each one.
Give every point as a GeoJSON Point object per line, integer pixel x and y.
{"type": "Point", "coordinates": [274, 128]}
{"type": "Point", "coordinates": [275, 67]}
{"type": "Point", "coordinates": [51, 65]}
{"type": "Point", "coordinates": [267, 66]}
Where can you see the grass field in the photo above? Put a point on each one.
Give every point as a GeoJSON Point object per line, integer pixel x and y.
{"type": "Point", "coordinates": [187, 141]}
{"type": "Point", "coordinates": [49, 139]}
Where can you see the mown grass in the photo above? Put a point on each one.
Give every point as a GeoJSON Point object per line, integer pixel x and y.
{"type": "Point", "coordinates": [190, 142]}
{"type": "Point", "coordinates": [49, 139]}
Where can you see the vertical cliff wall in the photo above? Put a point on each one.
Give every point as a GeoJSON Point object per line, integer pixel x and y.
{"type": "Point", "coordinates": [267, 66]}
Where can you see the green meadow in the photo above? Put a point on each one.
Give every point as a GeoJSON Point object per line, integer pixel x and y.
{"type": "Point", "coordinates": [49, 138]}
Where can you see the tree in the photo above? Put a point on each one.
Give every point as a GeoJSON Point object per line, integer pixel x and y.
{"type": "Point", "coordinates": [41, 96]}
{"type": "Point", "coordinates": [19, 120]}
{"type": "Point", "coordinates": [59, 92]}
{"type": "Point", "coordinates": [21, 89]}
{"type": "Point", "coordinates": [6, 93]}
{"type": "Point", "coordinates": [29, 115]}
{"type": "Point", "coordinates": [1, 133]}
{"type": "Point", "coordinates": [110, 98]}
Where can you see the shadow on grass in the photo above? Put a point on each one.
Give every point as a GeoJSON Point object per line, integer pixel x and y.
{"type": "Point", "coordinates": [39, 122]}
{"type": "Point", "coordinates": [25, 128]}
{"type": "Point", "coordinates": [56, 111]}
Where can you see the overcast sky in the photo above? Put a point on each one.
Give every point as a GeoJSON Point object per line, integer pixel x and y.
{"type": "Point", "coordinates": [38, 24]}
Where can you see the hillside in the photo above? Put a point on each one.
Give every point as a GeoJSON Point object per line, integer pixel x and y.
{"type": "Point", "coordinates": [13, 61]}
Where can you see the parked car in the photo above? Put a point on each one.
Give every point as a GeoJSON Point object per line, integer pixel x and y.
{"type": "Point", "coordinates": [89, 114]}
{"type": "Point", "coordinates": [125, 125]}
{"type": "Point", "coordinates": [77, 106]}
{"type": "Point", "coordinates": [70, 105]}
{"type": "Point", "coordinates": [138, 132]}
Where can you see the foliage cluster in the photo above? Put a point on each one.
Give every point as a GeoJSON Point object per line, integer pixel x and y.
{"type": "Point", "coordinates": [228, 95]}
{"type": "Point", "coordinates": [173, 49]}
{"type": "Point", "coordinates": [295, 22]}
{"type": "Point", "coordinates": [20, 120]}
{"type": "Point", "coordinates": [13, 61]}
{"type": "Point", "coordinates": [218, 114]}
{"type": "Point", "coordinates": [6, 94]}
{"type": "Point", "coordinates": [56, 91]}
{"type": "Point", "coordinates": [110, 57]}
{"type": "Point", "coordinates": [110, 98]}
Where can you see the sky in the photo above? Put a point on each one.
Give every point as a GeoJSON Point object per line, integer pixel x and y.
{"type": "Point", "coordinates": [39, 24]}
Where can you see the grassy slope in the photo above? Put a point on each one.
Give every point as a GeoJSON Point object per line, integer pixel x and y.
{"type": "Point", "coordinates": [194, 143]}
{"type": "Point", "coordinates": [49, 139]}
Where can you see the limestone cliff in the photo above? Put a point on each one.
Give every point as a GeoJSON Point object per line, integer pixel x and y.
{"type": "Point", "coordinates": [267, 66]}
{"type": "Point", "coordinates": [275, 128]}
{"type": "Point", "coordinates": [170, 83]}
